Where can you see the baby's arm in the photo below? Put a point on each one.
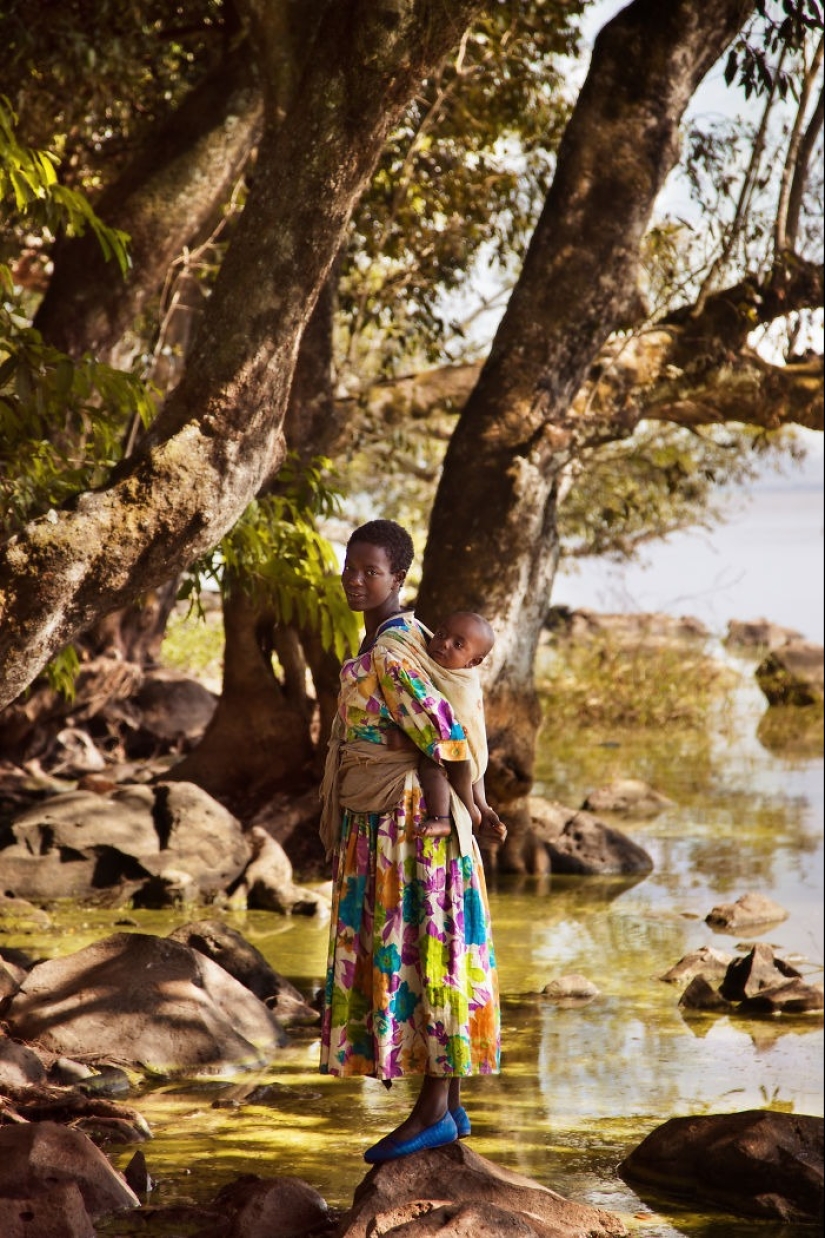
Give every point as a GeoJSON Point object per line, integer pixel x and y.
{"type": "Point", "coordinates": [461, 780]}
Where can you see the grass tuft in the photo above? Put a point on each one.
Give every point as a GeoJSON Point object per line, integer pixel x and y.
{"type": "Point", "coordinates": [607, 683]}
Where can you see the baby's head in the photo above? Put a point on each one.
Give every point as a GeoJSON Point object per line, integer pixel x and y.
{"type": "Point", "coordinates": [461, 640]}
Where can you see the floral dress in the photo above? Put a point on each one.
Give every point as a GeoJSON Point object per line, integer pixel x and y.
{"type": "Point", "coordinates": [411, 983]}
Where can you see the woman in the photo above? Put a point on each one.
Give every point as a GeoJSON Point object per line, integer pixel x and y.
{"type": "Point", "coordinates": [411, 985]}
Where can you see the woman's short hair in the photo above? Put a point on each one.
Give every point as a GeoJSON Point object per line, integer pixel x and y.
{"type": "Point", "coordinates": [391, 537]}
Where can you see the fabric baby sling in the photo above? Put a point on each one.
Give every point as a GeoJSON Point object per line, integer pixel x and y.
{"type": "Point", "coordinates": [367, 777]}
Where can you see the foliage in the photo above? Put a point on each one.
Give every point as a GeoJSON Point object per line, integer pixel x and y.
{"type": "Point", "coordinates": [621, 496]}
{"type": "Point", "coordinates": [196, 649]}
{"type": "Point", "coordinates": [457, 190]}
{"type": "Point", "coordinates": [666, 478]}
{"type": "Point", "coordinates": [62, 671]}
{"type": "Point", "coordinates": [604, 682]}
{"type": "Point", "coordinates": [276, 553]}
{"type": "Point", "coordinates": [62, 422]}
{"type": "Point", "coordinates": [90, 88]}
{"type": "Point", "coordinates": [755, 60]}
{"type": "Point", "coordinates": [41, 389]}
{"type": "Point", "coordinates": [30, 190]}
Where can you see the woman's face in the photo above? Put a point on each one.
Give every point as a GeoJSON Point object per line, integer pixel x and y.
{"type": "Point", "coordinates": [368, 579]}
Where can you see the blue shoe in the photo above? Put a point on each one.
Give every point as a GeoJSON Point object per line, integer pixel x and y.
{"type": "Point", "coordinates": [435, 1136]}
{"type": "Point", "coordinates": [462, 1121]}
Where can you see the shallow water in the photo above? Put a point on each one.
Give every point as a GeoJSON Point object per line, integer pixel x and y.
{"type": "Point", "coordinates": [580, 1087]}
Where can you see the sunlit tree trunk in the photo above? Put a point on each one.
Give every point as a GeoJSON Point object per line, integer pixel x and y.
{"type": "Point", "coordinates": [266, 735]}
{"type": "Point", "coordinates": [493, 544]}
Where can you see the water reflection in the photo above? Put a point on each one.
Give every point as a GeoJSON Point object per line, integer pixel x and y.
{"type": "Point", "coordinates": [580, 1086]}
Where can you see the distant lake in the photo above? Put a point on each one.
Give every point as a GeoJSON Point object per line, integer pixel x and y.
{"type": "Point", "coordinates": [764, 562]}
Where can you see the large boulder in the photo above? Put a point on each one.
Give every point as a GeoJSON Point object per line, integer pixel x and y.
{"type": "Point", "coordinates": [76, 843]}
{"type": "Point", "coordinates": [267, 882]}
{"type": "Point", "coordinates": [792, 674]}
{"type": "Point", "coordinates": [578, 842]}
{"type": "Point", "coordinates": [231, 951]}
{"type": "Point", "coordinates": [145, 1001]}
{"type": "Point", "coordinates": [756, 1164]}
{"type": "Point", "coordinates": [455, 1193]}
{"type": "Point", "coordinates": [173, 708]}
{"type": "Point", "coordinates": [54, 1182]}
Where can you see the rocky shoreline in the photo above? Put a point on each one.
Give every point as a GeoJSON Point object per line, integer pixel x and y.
{"type": "Point", "coordinates": [203, 1003]}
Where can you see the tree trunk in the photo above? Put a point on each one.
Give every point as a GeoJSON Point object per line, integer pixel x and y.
{"type": "Point", "coordinates": [311, 422]}
{"type": "Point", "coordinates": [493, 545]}
{"type": "Point", "coordinates": [258, 740]}
{"type": "Point", "coordinates": [292, 729]}
{"type": "Point", "coordinates": [220, 431]}
{"type": "Point", "coordinates": [169, 197]}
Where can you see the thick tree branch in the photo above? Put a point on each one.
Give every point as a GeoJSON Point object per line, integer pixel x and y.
{"type": "Point", "coordinates": [693, 367]}
{"type": "Point", "coordinates": [167, 198]}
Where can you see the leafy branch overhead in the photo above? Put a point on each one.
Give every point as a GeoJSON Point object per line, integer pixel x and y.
{"type": "Point", "coordinates": [276, 554]}
{"type": "Point", "coordinates": [391, 160]}
{"type": "Point", "coordinates": [29, 186]}
{"type": "Point", "coordinates": [62, 420]}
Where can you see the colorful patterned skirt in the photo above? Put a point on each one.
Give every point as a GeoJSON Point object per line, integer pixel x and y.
{"type": "Point", "coordinates": [411, 984]}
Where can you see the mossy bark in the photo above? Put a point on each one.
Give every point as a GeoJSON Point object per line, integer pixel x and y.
{"type": "Point", "coordinates": [220, 432]}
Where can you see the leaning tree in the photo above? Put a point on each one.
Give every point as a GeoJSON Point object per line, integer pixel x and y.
{"type": "Point", "coordinates": [574, 364]}
{"type": "Point", "coordinates": [220, 433]}
{"type": "Point", "coordinates": [536, 406]}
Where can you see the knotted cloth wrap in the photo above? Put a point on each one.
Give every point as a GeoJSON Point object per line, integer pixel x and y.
{"type": "Point", "coordinates": [366, 777]}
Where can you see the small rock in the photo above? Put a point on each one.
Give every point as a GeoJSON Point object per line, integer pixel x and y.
{"type": "Point", "coordinates": [792, 674]}
{"type": "Point", "coordinates": [571, 987]}
{"type": "Point", "coordinates": [700, 995]}
{"type": "Point", "coordinates": [749, 910]}
{"type": "Point", "coordinates": [707, 962]}
{"type": "Point", "coordinates": [630, 797]}
{"type": "Point", "coordinates": [758, 970]}
{"type": "Point", "coordinates": [793, 997]}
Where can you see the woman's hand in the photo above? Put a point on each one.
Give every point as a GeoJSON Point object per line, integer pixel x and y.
{"type": "Point", "coordinates": [490, 823]}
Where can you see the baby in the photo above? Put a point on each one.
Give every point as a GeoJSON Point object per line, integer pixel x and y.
{"type": "Point", "coordinates": [460, 643]}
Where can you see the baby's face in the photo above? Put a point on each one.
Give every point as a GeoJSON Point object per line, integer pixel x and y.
{"type": "Point", "coordinates": [458, 643]}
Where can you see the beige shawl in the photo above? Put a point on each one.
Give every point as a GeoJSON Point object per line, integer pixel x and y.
{"type": "Point", "coordinates": [368, 777]}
